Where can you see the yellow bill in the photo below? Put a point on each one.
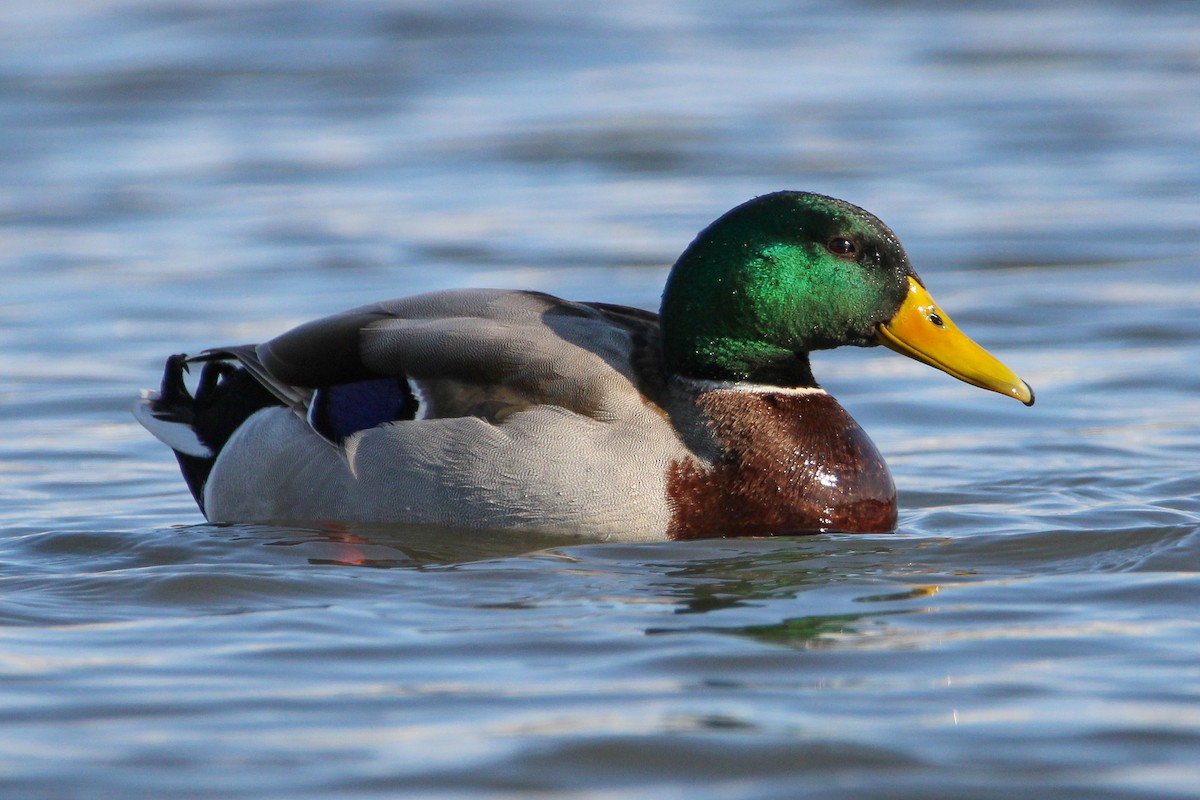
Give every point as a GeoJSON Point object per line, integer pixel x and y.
{"type": "Point", "coordinates": [922, 331]}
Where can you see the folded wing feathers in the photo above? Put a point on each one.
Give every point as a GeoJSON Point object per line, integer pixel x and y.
{"type": "Point", "coordinates": [470, 349]}
{"type": "Point", "coordinates": [553, 353]}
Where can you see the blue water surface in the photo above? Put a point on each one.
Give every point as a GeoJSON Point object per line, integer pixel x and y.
{"type": "Point", "coordinates": [190, 173]}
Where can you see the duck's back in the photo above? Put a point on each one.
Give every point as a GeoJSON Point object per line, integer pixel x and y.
{"type": "Point", "coordinates": [522, 410]}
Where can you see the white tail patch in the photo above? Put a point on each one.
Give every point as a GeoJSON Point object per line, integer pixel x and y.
{"type": "Point", "coordinates": [176, 435]}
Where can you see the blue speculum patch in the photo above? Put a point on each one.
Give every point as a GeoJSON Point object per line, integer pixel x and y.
{"type": "Point", "coordinates": [344, 409]}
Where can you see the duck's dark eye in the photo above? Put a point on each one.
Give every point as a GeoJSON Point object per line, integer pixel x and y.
{"type": "Point", "coordinates": [841, 246]}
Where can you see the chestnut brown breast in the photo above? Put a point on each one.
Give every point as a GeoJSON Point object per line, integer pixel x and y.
{"type": "Point", "coordinates": [789, 463]}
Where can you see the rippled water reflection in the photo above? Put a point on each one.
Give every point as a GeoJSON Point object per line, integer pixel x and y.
{"type": "Point", "coordinates": [178, 175]}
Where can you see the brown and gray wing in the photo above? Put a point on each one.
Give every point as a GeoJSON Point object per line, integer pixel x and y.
{"type": "Point", "coordinates": [514, 350]}
{"type": "Point", "coordinates": [475, 352]}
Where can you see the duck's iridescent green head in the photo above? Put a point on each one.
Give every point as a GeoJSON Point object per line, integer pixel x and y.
{"type": "Point", "coordinates": [792, 272]}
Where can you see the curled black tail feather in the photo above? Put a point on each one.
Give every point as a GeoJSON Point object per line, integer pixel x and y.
{"type": "Point", "coordinates": [226, 396]}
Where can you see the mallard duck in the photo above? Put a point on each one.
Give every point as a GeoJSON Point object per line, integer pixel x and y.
{"type": "Point", "coordinates": [499, 409]}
